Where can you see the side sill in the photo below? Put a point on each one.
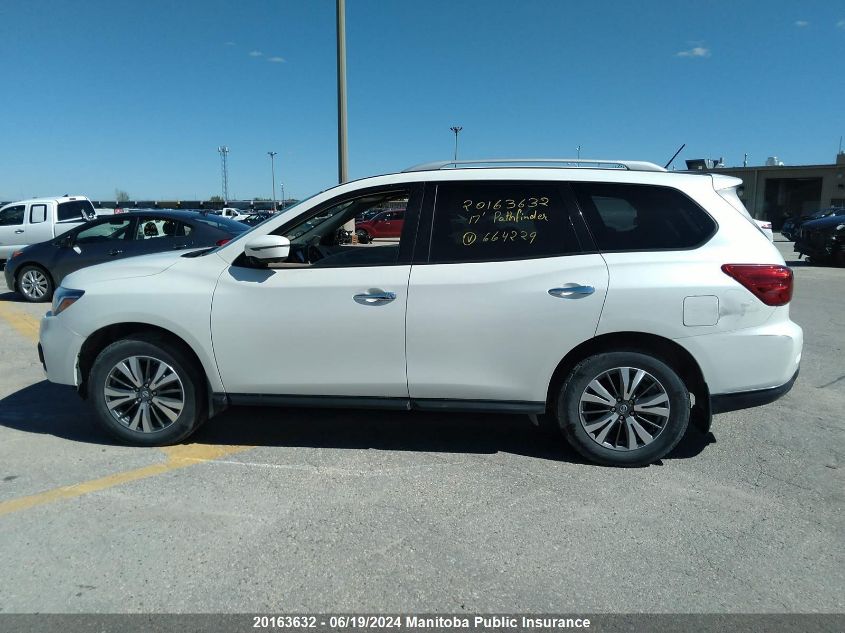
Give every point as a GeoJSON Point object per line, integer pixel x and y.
{"type": "Point", "coordinates": [220, 401]}
{"type": "Point", "coordinates": [479, 406]}
{"type": "Point", "coordinates": [725, 402]}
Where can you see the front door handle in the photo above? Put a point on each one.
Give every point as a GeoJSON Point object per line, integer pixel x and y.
{"type": "Point", "coordinates": [375, 297]}
{"type": "Point", "coordinates": [571, 291]}
{"type": "Point", "coordinates": [115, 252]}
{"type": "Point", "coordinates": [19, 230]}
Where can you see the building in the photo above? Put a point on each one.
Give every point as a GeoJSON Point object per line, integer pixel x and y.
{"type": "Point", "coordinates": [778, 192]}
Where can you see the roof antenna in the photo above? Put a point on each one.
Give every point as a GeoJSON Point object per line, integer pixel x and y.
{"type": "Point", "coordinates": [674, 156]}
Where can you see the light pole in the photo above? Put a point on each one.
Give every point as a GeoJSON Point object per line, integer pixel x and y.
{"type": "Point", "coordinates": [342, 173]}
{"type": "Point", "coordinates": [456, 129]}
{"type": "Point", "coordinates": [272, 156]}
{"type": "Point", "coordinates": [282, 185]}
{"type": "Point", "coordinates": [224, 156]}
{"type": "Point", "coordinates": [578, 149]}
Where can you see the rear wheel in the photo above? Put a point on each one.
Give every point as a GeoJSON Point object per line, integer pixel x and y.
{"type": "Point", "coordinates": [35, 284]}
{"type": "Point", "coordinates": [623, 408]}
{"type": "Point", "coordinates": [146, 392]}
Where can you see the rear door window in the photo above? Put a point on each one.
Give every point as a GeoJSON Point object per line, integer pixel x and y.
{"type": "Point", "coordinates": [498, 221]}
{"type": "Point", "coordinates": [625, 217]}
{"type": "Point", "coordinates": [37, 213]}
{"type": "Point", "coordinates": [151, 228]}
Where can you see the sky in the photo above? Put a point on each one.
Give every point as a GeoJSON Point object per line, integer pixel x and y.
{"type": "Point", "coordinates": [99, 95]}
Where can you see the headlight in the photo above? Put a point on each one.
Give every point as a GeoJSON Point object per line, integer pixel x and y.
{"type": "Point", "coordinates": [840, 227]}
{"type": "Point", "coordinates": [63, 298]}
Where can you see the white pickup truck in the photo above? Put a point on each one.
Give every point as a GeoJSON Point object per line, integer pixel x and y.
{"type": "Point", "coordinates": [40, 219]}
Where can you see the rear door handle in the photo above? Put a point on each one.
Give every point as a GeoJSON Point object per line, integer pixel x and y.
{"type": "Point", "coordinates": [571, 291]}
{"type": "Point", "coordinates": [115, 252]}
{"type": "Point", "coordinates": [19, 231]}
{"type": "Point", "coordinates": [375, 297]}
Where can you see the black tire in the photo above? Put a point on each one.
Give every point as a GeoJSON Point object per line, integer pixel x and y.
{"type": "Point", "coordinates": [664, 439]}
{"type": "Point", "coordinates": [25, 282]}
{"type": "Point", "coordinates": [190, 382]}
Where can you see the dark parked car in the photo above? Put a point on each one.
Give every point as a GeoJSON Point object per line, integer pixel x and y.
{"type": "Point", "coordinates": [790, 228]}
{"type": "Point", "coordinates": [37, 270]}
{"type": "Point", "coordinates": [385, 224]}
{"type": "Point", "coordinates": [823, 240]}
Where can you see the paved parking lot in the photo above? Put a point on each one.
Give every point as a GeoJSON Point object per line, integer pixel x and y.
{"type": "Point", "coordinates": [304, 510]}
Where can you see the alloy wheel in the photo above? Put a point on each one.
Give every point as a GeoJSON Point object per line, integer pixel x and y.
{"type": "Point", "coordinates": [144, 394]}
{"type": "Point", "coordinates": [624, 408]}
{"type": "Point", "coordinates": [34, 284]}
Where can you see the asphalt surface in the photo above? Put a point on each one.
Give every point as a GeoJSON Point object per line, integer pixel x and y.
{"type": "Point", "coordinates": [324, 510]}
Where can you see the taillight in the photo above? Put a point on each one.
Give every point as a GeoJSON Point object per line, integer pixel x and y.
{"type": "Point", "coordinates": [222, 242]}
{"type": "Point", "coordinates": [770, 283]}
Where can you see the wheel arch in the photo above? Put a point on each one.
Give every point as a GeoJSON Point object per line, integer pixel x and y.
{"type": "Point", "coordinates": [665, 349]}
{"type": "Point", "coordinates": [98, 340]}
{"type": "Point", "coordinates": [40, 266]}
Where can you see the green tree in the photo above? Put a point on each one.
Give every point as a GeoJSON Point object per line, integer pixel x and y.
{"type": "Point", "coordinates": [121, 196]}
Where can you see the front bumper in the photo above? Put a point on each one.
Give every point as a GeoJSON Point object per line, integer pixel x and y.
{"type": "Point", "coordinates": [59, 351]}
{"type": "Point", "coordinates": [8, 273]}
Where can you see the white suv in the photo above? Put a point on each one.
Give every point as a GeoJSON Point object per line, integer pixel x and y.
{"type": "Point", "coordinates": [617, 298]}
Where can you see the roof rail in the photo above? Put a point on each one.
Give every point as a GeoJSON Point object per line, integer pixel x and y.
{"type": "Point", "coordinates": [560, 163]}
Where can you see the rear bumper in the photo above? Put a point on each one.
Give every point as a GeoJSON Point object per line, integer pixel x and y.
{"type": "Point", "coordinates": [724, 402]}
{"type": "Point", "coordinates": [748, 360]}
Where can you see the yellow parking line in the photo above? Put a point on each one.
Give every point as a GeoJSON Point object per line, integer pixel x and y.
{"type": "Point", "coordinates": [177, 457]}
{"type": "Point", "coordinates": [22, 322]}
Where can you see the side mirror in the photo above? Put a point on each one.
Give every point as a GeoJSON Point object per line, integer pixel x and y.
{"type": "Point", "coordinates": [268, 248]}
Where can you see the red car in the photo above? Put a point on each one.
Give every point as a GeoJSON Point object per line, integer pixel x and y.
{"type": "Point", "coordinates": [385, 224]}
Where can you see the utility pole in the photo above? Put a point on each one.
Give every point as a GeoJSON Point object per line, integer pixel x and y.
{"type": "Point", "coordinates": [224, 156]}
{"type": "Point", "coordinates": [342, 169]}
{"type": "Point", "coordinates": [272, 156]}
{"type": "Point", "coordinates": [578, 149]}
{"type": "Point", "coordinates": [745, 160]}
{"type": "Point", "coordinates": [456, 129]}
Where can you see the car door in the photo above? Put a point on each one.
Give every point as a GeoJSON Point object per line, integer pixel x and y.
{"type": "Point", "coordinates": [94, 243]}
{"type": "Point", "coordinates": [333, 327]}
{"type": "Point", "coordinates": [509, 285]}
{"type": "Point", "coordinates": [12, 229]}
{"type": "Point", "coordinates": [39, 228]}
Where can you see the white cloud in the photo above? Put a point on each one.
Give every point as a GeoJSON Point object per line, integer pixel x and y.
{"type": "Point", "coordinates": [276, 60]}
{"type": "Point", "coordinates": [255, 53]}
{"type": "Point", "coordinates": [841, 25]}
{"type": "Point", "coordinates": [697, 51]}
{"type": "Point", "coordinates": [801, 23]}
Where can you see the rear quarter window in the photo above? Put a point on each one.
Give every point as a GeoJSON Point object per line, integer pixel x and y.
{"type": "Point", "coordinates": [76, 210]}
{"type": "Point", "coordinates": [499, 221]}
{"type": "Point", "coordinates": [625, 217]}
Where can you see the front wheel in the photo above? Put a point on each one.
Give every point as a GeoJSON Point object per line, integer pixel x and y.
{"type": "Point", "coordinates": [35, 284]}
{"type": "Point", "coordinates": [623, 408]}
{"type": "Point", "coordinates": [146, 392]}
